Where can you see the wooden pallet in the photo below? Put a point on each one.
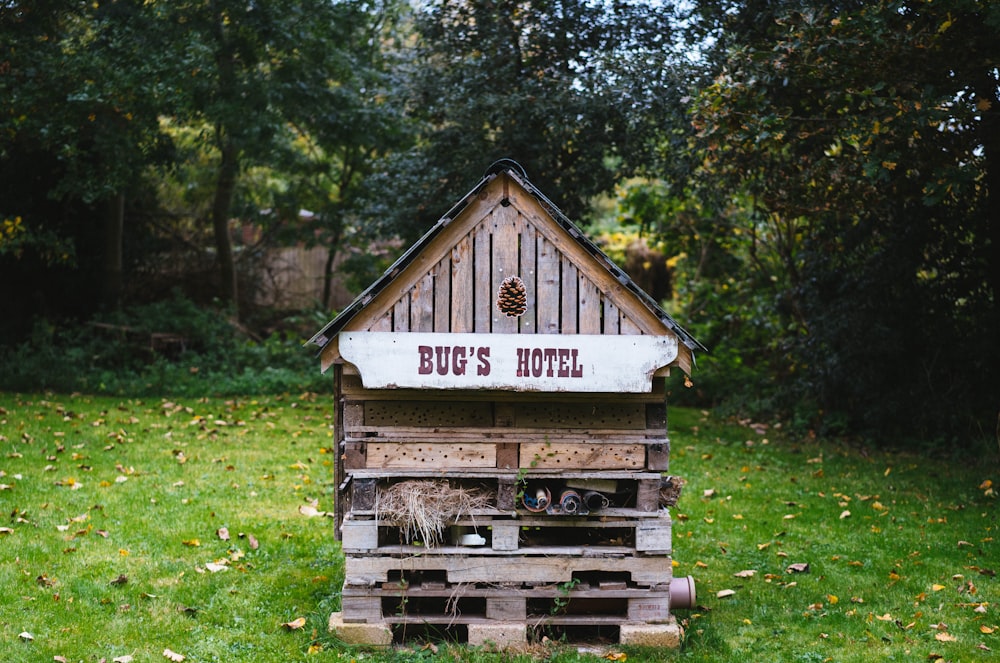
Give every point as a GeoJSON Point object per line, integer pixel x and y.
{"type": "Point", "coordinates": [442, 603]}
{"type": "Point", "coordinates": [574, 535]}
{"type": "Point", "coordinates": [543, 566]}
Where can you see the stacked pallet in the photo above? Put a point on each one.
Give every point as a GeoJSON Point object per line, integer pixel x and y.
{"type": "Point", "coordinates": [504, 357]}
{"type": "Point", "coordinates": [573, 531]}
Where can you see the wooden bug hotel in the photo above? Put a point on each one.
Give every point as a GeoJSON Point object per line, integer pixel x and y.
{"type": "Point", "coordinates": [502, 434]}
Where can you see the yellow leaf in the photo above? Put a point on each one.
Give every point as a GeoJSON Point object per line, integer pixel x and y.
{"type": "Point", "coordinates": [937, 588]}
{"type": "Point", "coordinates": [724, 593]}
{"type": "Point", "coordinates": [701, 565]}
{"type": "Point", "coordinates": [987, 629]}
{"type": "Point", "coordinates": [172, 656]}
{"type": "Point", "coordinates": [295, 624]}
{"type": "Point", "coordinates": [192, 543]}
{"type": "Point", "coordinates": [945, 637]}
{"type": "Point", "coordinates": [884, 618]}
{"type": "Point", "coordinates": [616, 656]}
{"type": "Point", "coordinates": [833, 600]}
{"type": "Point", "coordinates": [314, 649]}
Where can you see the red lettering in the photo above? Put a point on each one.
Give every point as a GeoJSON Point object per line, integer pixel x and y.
{"type": "Point", "coordinates": [577, 370]}
{"type": "Point", "coordinates": [523, 369]}
{"type": "Point", "coordinates": [426, 365]}
{"type": "Point", "coordinates": [563, 363]}
{"type": "Point", "coordinates": [483, 355]}
{"type": "Point", "coordinates": [442, 359]}
{"type": "Point", "coordinates": [458, 360]}
{"type": "Point", "coordinates": [536, 362]}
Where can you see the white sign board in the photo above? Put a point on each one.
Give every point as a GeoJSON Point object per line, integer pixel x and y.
{"type": "Point", "coordinates": [523, 362]}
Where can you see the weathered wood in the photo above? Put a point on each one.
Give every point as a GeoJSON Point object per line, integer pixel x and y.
{"type": "Point", "coordinates": [442, 296]}
{"type": "Point", "coordinates": [361, 609]}
{"type": "Point", "coordinates": [462, 287]}
{"type": "Point", "coordinates": [589, 308]}
{"type": "Point", "coordinates": [408, 414]}
{"type": "Point", "coordinates": [653, 536]}
{"type": "Point", "coordinates": [422, 305]}
{"type": "Point", "coordinates": [547, 277]}
{"type": "Point", "coordinates": [507, 455]}
{"type": "Point", "coordinates": [441, 456]}
{"type": "Point", "coordinates": [569, 319]}
{"type": "Point", "coordinates": [363, 494]}
{"type": "Point", "coordinates": [355, 455]}
{"type": "Point", "coordinates": [527, 323]}
{"type": "Point", "coordinates": [479, 434]}
{"type": "Point", "coordinates": [576, 456]}
{"type": "Point", "coordinates": [506, 250]}
{"type": "Point", "coordinates": [459, 567]}
{"type": "Point", "coordinates": [482, 256]}
{"type": "Point", "coordinates": [506, 609]}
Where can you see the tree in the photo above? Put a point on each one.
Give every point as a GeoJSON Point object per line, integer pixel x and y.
{"type": "Point", "coordinates": [566, 88]}
{"type": "Point", "coordinates": [866, 136]}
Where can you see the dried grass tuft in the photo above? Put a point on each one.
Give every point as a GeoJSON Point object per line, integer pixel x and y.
{"type": "Point", "coordinates": [424, 508]}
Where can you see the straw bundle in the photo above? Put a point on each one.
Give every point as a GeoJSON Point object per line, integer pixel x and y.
{"type": "Point", "coordinates": [422, 509]}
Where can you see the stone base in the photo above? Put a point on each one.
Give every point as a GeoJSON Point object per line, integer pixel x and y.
{"type": "Point", "coordinates": [652, 635]}
{"type": "Point", "coordinates": [500, 635]}
{"type": "Point", "coordinates": [360, 634]}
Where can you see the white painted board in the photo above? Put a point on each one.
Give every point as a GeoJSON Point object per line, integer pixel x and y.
{"type": "Point", "coordinates": [521, 362]}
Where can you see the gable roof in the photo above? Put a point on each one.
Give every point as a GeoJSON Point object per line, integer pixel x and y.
{"type": "Point", "coordinates": [504, 225]}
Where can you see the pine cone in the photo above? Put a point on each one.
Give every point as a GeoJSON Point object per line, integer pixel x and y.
{"type": "Point", "coordinates": [512, 298]}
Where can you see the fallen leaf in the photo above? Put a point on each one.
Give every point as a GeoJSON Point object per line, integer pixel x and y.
{"type": "Point", "coordinates": [127, 658]}
{"type": "Point", "coordinates": [945, 637]}
{"type": "Point", "coordinates": [800, 567]}
{"type": "Point", "coordinates": [749, 573]}
{"type": "Point", "coordinates": [937, 588]}
{"type": "Point", "coordinates": [215, 567]}
{"type": "Point", "coordinates": [723, 593]}
{"type": "Point", "coordinates": [27, 637]}
{"type": "Point", "coordinates": [6, 530]}
{"type": "Point", "coordinates": [987, 629]}
{"type": "Point", "coordinates": [120, 580]}
{"type": "Point", "coordinates": [222, 533]}
{"type": "Point", "coordinates": [616, 656]}
{"type": "Point", "coordinates": [884, 618]}
{"type": "Point", "coordinates": [59, 659]}
{"type": "Point", "coordinates": [832, 599]}
{"type": "Point", "coordinates": [708, 492]}
{"type": "Point", "coordinates": [192, 543]}
{"type": "Point", "coordinates": [172, 656]}
{"type": "Point", "coordinates": [295, 624]}
{"type": "Point", "coordinates": [845, 514]}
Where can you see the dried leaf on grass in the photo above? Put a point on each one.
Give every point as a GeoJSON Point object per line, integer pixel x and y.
{"type": "Point", "coordinates": [423, 508]}
{"type": "Point", "coordinates": [173, 656]}
{"type": "Point", "coordinates": [295, 624]}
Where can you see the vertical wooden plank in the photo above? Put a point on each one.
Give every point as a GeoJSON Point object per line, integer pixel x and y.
{"type": "Point", "coordinates": [527, 322]}
{"type": "Point", "coordinates": [422, 304]}
{"type": "Point", "coordinates": [505, 263]}
{"type": "Point", "coordinates": [610, 317]}
{"type": "Point", "coordinates": [483, 298]}
{"type": "Point", "coordinates": [626, 326]}
{"type": "Point", "coordinates": [589, 306]}
{"type": "Point", "coordinates": [382, 324]}
{"type": "Point", "coordinates": [547, 280]}
{"type": "Point", "coordinates": [401, 315]}
{"type": "Point", "coordinates": [569, 309]}
{"type": "Point", "coordinates": [442, 296]}
{"type": "Point", "coordinates": [462, 287]}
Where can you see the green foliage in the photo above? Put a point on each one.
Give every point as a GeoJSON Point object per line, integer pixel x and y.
{"type": "Point", "coordinates": [115, 509]}
{"type": "Point", "coordinates": [172, 347]}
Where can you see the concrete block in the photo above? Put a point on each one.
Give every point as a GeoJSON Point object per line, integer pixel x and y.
{"type": "Point", "coordinates": [500, 635]}
{"type": "Point", "coordinates": [652, 635]}
{"type": "Point", "coordinates": [360, 634]}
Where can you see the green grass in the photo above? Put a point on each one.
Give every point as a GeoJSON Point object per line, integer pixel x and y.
{"type": "Point", "coordinates": [94, 489]}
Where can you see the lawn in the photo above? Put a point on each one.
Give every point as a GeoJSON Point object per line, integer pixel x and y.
{"type": "Point", "coordinates": [147, 530]}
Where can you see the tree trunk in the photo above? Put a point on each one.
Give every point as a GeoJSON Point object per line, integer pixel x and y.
{"type": "Point", "coordinates": [114, 231]}
{"type": "Point", "coordinates": [224, 188]}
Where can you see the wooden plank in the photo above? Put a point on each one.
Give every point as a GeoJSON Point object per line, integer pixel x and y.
{"type": "Point", "coordinates": [410, 414]}
{"type": "Point", "coordinates": [528, 260]}
{"type": "Point", "coordinates": [654, 535]}
{"type": "Point", "coordinates": [422, 305]}
{"type": "Point", "coordinates": [506, 609]}
{"type": "Point", "coordinates": [610, 318]}
{"type": "Point", "coordinates": [569, 310]}
{"type": "Point", "coordinates": [574, 456]}
{"type": "Point", "coordinates": [506, 254]}
{"type": "Point", "coordinates": [354, 415]}
{"type": "Point", "coordinates": [440, 456]}
{"type": "Point", "coordinates": [589, 307]}
{"type": "Point", "coordinates": [649, 610]}
{"type": "Point", "coordinates": [548, 287]}
{"type": "Point", "coordinates": [442, 296]}
{"type": "Point", "coordinates": [472, 434]}
{"type": "Point", "coordinates": [490, 567]}
{"type": "Point", "coordinates": [382, 323]}
{"type": "Point", "coordinates": [482, 282]}
{"type": "Point", "coordinates": [462, 287]}
{"type": "Point", "coordinates": [354, 457]}
{"type": "Point", "coordinates": [359, 535]}
{"type": "Point", "coordinates": [581, 415]}
{"type": "Point", "coordinates": [401, 315]}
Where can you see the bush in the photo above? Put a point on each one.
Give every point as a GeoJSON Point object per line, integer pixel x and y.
{"type": "Point", "coordinates": [170, 348]}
